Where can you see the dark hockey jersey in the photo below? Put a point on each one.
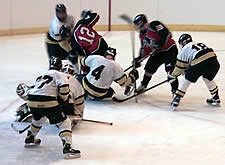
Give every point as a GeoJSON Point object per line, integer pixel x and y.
{"type": "Point", "coordinates": [157, 37]}
{"type": "Point", "coordinates": [85, 39]}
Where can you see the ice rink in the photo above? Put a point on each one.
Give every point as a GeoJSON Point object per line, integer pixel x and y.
{"type": "Point", "coordinates": [143, 133]}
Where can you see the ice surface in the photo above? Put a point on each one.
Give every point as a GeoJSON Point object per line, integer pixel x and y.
{"type": "Point", "coordinates": [146, 133]}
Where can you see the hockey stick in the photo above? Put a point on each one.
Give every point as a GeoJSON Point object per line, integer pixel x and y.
{"type": "Point", "coordinates": [136, 94]}
{"type": "Point", "coordinates": [19, 131]}
{"type": "Point", "coordinates": [139, 61]}
{"type": "Point", "coordinates": [99, 122]}
{"type": "Point", "coordinates": [130, 22]}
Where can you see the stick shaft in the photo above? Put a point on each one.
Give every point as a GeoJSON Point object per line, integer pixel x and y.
{"type": "Point", "coordinates": [100, 122]}
{"type": "Point", "coordinates": [19, 131]}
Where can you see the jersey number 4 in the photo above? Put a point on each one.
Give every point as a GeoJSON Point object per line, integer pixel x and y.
{"type": "Point", "coordinates": [97, 72]}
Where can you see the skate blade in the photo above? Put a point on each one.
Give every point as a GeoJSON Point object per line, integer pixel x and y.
{"type": "Point", "coordinates": [71, 156]}
{"type": "Point", "coordinates": [214, 104]}
{"type": "Point", "coordinates": [174, 108]}
{"type": "Point", "coordinates": [31, 145]}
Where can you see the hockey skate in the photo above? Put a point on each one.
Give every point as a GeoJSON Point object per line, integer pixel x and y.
{"type": "Point", "coordinates": [31, 140]}
{"type": "Point", "coordinates": [214, 101]}
{"type": "Point", "coordinates": [175, 102]}
{"type": "Point", "coordinates": [140, 89]}
{"type": "Point", "coordinates": [70, 153]}
{"type": "Point", "coordinates": [129, 89]}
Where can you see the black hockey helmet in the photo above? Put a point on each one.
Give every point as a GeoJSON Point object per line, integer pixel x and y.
{"type": "Point", "coordinates": [64, 31]}
{"type": "Point", "coordinates": [140, 20]}
{"type": "Point", "coordinates": [69, 69]}
{"type": "Point", "coordinates": [111, 51]}
{"type": "Point", "coordinates": [60, 8]}
{"type": "Point", "coordinates": [184, 39]}
{"type": "Point", "coordinates": [55, 63]}
{"type": "Point", "coordinates": [61, 13]}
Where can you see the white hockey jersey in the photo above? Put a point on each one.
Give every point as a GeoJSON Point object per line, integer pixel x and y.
{"type": "Point", "coordinates": [51, 83]}
{"type": "Point", "coordinates": [76, 93]}
{"type": "Point", "coordinates": [102, 71]}
{"type": "Point", "coordinates": [55, 25]}
{"type": "Point", "coordinates": [191, 54]}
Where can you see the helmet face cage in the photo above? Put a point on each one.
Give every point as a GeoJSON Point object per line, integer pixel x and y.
{"type": "Point", "coordinates": [140, 20]}
{"type": "Point", "coordinates": [111, 51]}
{"type": "Point", "coordinates": [184, 39]}
{"type": "Point", "coordinates": [55, 63]}
{"type": "Point", "coordinates": [68, 69]}
{"type": "Point", "coordinates": [61, 13]}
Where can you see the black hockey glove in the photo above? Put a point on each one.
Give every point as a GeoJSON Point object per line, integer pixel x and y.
{"type": "Point", "coordinates": [73, 57]}
{"type": "Point", "coordinates": [134, 75]}
{"type": "Point", "coordinates": [85, 13]}
{"type": "Point", "coordinates": [136, 62]}
{"type": "Point", "coordinates": [171, 78]}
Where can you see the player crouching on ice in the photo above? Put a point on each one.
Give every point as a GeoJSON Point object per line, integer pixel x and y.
{"type": "Point", "coordinates": [74, 108]}
{"type": "Point", "coordinates": [195, 60]}
{"type": "Point", "coordinates": [103, 71]}
{"type": "Point", "coordinates": [46, 99]}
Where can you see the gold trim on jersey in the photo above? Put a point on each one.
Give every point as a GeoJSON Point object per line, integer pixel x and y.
{"type": "Point", "coordinates": [97, 92]}
{"type": "Point", "coordinates": [65, 133]}
{"type": "Point", "coordinates": [65, 45]}
{"type": "Point", "coordinates": [202, 58]}
{"type": "Point", "coordinates": [79, 100]}
{"type": "Point", "coordinates": [82, 61]}
{"type": "Point", "coordinates": [42, 104]}
{"type": "Point", "coordinates": [64, 91]}
{"type": "Point", "coordinates": [50, 41]}
{"type": "Point", "coordinates": [123, 80]}
{"type": "Point", "coordinates": [179, 68]}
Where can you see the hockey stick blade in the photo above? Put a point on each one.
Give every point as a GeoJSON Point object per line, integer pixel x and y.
{"type": "Point", "coordinates": [126, 18]}
{"type": "Point", "coordinates": [99, 122]}
{"type": "Point", "coordinates": [136, 94]}
{"type": "Point", "coordinates": [19, 131]}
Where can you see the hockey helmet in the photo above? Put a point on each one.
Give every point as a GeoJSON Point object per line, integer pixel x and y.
{"type": "Point", "coordinates": [60, 8]}
{"type": "Point", "coordinates": [61, 13]}
{"type": "Point", "coordinates": [111, 51]}
{"type": "Point", "coordinates": [69, 69]}
{"type": "Point", "coordinates": [64, 31]}
{"type": "Point", "coordinates": [140, 20]}
{"type": "Point", "coordinates": [55, 63]}
{"type": "Point", "coordinates": [184, 39]}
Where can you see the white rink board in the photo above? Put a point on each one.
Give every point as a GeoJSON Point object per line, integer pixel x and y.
{"type": "Point", "coordinates": [144, 133]}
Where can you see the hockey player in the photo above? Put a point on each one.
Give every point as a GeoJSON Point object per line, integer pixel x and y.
{"type": "Point", "coordinates": [56, 46]}
{"type": "Point", "coordinates": [85, 39]}
{"type": "Point", "coordinates": [75, 106]}
{"type": "Point", "coordinates": [49, 89]}
{"type": "Point", "coordinates": [156, 41]}
{"type": "Point", "coordinates": [195, 60]}
{"type": "Point", "coordinates": [103, 71]}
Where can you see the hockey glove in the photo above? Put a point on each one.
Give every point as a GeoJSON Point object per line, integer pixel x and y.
{"type": "Point", "coordinates": [136, 62]}
{"type": "Point", "coordinates": [73, 58]}
{"type": "Point", "coordinates": [85, 13]}
{"type": "Point", "coordinates": [134, 75]}
{"type": "Point", "coordinates": [171, 78]}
